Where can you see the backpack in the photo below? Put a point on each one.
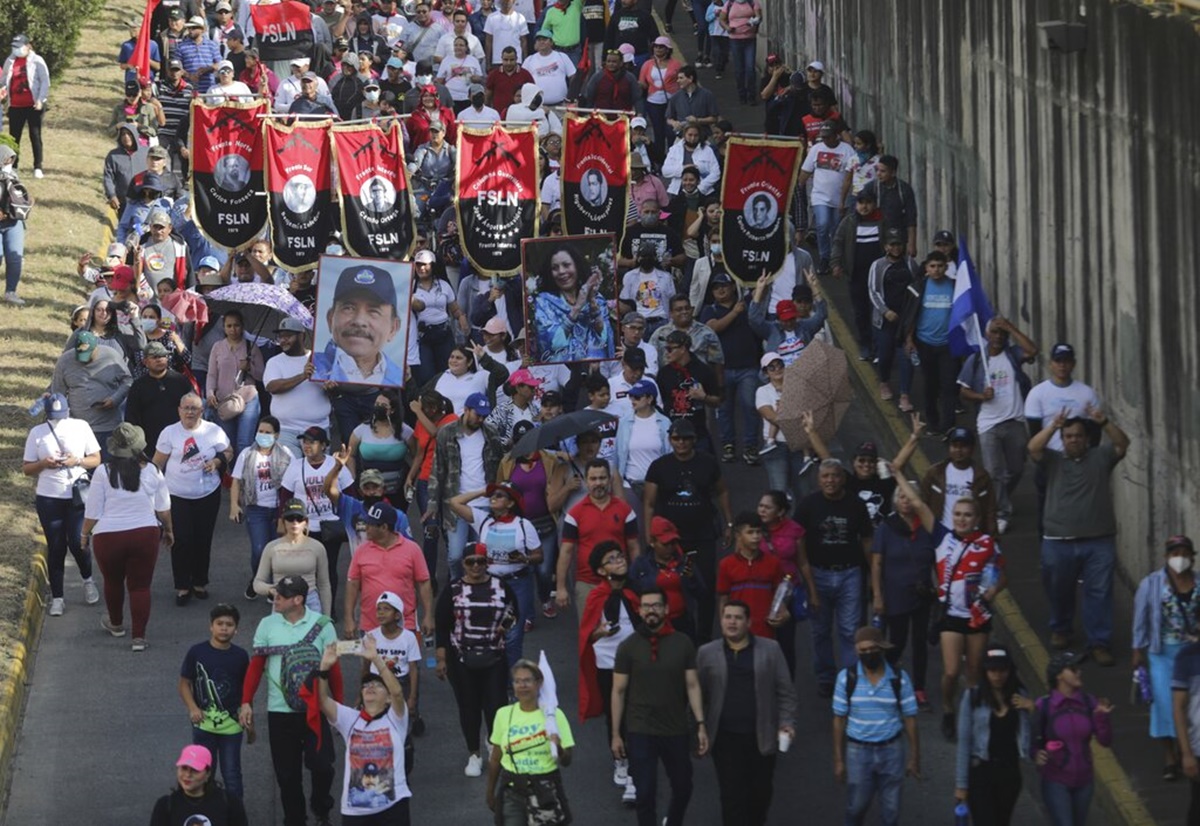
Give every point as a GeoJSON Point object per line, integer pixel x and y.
{"type": "Point", "coordinates": [1045, 725]}
{"type": "Point", "coordinates": [852, 683]}
{"type": "Point", "coordinates": [300, 661]}
{"type": "Point", "coordinates": [15, 200]}
{"type": "Point", "coordinates": [1023, 381]}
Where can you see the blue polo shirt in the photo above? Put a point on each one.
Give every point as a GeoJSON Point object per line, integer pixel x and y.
{"type": "Point", "coordinates": [933, 324]}
{"type": "Point", "coordinates": [875, 718]}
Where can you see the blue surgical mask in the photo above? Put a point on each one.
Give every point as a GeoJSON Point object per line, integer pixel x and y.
{"type": "Point", "coordinates": [265, 440]}
{"type": "Point", "coordinates": [715, 249]}
{"type": "Point", "coordinates": [148, 324]}
{"type": "Point", "coordinates": [863, 155]}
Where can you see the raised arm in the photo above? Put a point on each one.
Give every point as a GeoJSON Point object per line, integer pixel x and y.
{"type": "Point", "coordinates": [923, 511]}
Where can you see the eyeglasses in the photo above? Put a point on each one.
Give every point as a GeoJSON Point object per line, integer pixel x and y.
{"type": "Point", "coordinates": [654, 606]}
{"type": "Point", "coordinates": [475, 561]}
{"type": "Point", "coordinates": [611, 558]}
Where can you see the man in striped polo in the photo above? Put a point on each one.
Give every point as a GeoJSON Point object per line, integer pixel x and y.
{"type": "Point", "coordinates": [868, 754]}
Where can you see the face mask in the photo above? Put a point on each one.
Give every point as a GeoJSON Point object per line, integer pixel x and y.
{"type": "Point", "coordinates": [381, 412]}
{"type": "Point", "coordinates": [1179, 564]}
{"type": "Point", "coordinates": [20, 51]}
{"type": "Point", "coordinates": [372, 97]}
{"type": "Point", "coordinates": [646, 264]}
{"type": "Point", "coordinates": [423, 80]}
{"type": "Point", "coordinates": [715, 249]}
{"type": "Point", "coordinates": [265, 440]}
{"type": "Point", "coordinates": [871, 661]}
{"type": "Point", "coordinates": [148, 324]}
{"type": "Point", "coordinates": [648, 220]}
{"type": "Point", "coordinates": [477, 101]}
{"type": "Point", "coordinates": [864, 156]}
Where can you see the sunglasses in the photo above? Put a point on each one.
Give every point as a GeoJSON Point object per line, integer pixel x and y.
{"type": "Point", "coordinates": [295, 519]}
{"type": "Point", "coordinates": [475, 561]}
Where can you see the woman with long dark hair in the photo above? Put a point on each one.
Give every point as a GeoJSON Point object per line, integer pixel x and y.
{"type": "Point", "coordinates": [197, 800]}
{"type": "Point", "coordinates": [127, 504]}
{"type": "Point", "coordinates": [254, 489]}
{"type": "Point", "coordinates": [462, 376]}
{"type": "Point", "coordinates": [435, 304]}
{"type": "Point", "coordinates": [993, 737]}
{"type": "Point", "coordinates": [118, 327]}
{"type": "Point", "coordinates": [235, 365]}
{"type": "Point", "coordinates": [570, 314]}
{"type": "Point", "coordinates": [384, 443]}
{"type": "Point", "coordinates": [783, 537]}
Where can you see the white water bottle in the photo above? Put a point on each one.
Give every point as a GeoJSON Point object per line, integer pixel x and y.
{"type": "Point", "coordinates": [783, 592]}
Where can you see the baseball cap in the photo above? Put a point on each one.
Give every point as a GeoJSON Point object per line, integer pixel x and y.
{"type": "Point", "coordinates": [115, 250]}
{"type": "Point", "coordinates": [632, 317]}
{"type": "Point", "coordinates": [195, 757]}
{"type": "Point", "coordinates": [479, 403]}
{"type": "Point", "coordinates": [341, 43]}
{"type": "Point", "coordinates": [370, 476]}
{"type": "Point", "coordinates": [158, 216]}
{"type": "Point", "coordinates": [436, 125]}
{"type": "Point", "coordinates": [893, 236]}
{"type": "Point", "coordinates": [663, 40]}
{"type": "Point", "coordinates": [827, 128]}
{"type": "Point", "coordinates": [868, 449]}
{"type": "Point", "coordinates": [816, 65]}
{"type": "Point", "coordinates": [57, 407]}
{"type": "Point", "coordinates": [121, 278]}
{"type": "Point", "coordinates": [635, 357]}
{"type": "Point", "coordinates": [154, 349]}
{"type": "Point", "coordinates": [151, 183]}
{"type": "Point", "coordinates": [866, 196]}
{"type": "Point", "coordinates": [679, 337]}
{"type": "Point", "coordinates": [425, 257]}
{"type": "Point", "coordinates": [768, 359]}
{"type": "Point", "coordinates": [475, 89]}
{"type": "Point", "coordinates": [683, 428]}
{"type": "Point", "coordinates": [523, 376]}
{"type": "Point", "coordinates": [543, 33]}
{"type": "Point", "coordinates": [175, 63]}
{"type": "Point", "coordinates": [132, 87]}
{"type": "Point", "coordinates": [961, 434]}
{"type": "Point", "coordinates": [85, 345]}
{"type": "Point", "coordinates": [223, 6]}
{"type": "Point", "coordinates": [372, 281]}
{"type": "Point", "coordinates": [1177, 541]}
{"type": "Point", "coordinates": [871, 634]}
{"type": "Point", "coordinates": [309, 76]}
{"type": "Point", "coordinates": [643, 387]}
{"type": "Point", "coordinates": [391, 598]}
{"type": "Point", "coordinates": [720, 277]}
{"type": "Point", "coordinates": [663, 529]}
{"type": "Point", "coordinates": [394, 63]}
{"type": "Point", "coordinates": [291, 586]}
{"type": "Point", "coordinates": [196, 22]}
{"type": "Point", "coordinates": [371, 84]}
{"type": "Point", "coordinates": [316, 433]}
{"type": "Point", "coordinates": [223, 65]}
{"type": "Point", "coordinates": [508, 490]}
{"type": "Point", "coordinates": [772, 59]}
{"type": "Point", "coordinates": [521, 428]}
{"type": "Point", "coordinates": [210, 262]}
{"type": "Point", "coordinates": [637, 121]}
{"type": "Point", "coordinates": [997, 656]}
{"type": "Point", "coordinates": [1060, 663]}
{"type": "Point", "coordinates": [290, 325]}
{"type": "Point", "coordinates": [495, 325]}
{"type": "Point", "coordinates": [298, 61]}
{"type": "Point", "coordinates": [786, 310]}
{"type": "Point", "coordinates": [381, 513]}
{"type": "Point", "coordinates": [293, 507]}
{"type": "Point", "coordinates": [1062, 352]}
{"type": "Point", "coordinates": [797, 80]}
{"type": "Point", "coordinates": [175, 14]}
{"type": "Point", "coordinates": [943, 236]}
{"type": "Point", "coordinates": [157, 152]}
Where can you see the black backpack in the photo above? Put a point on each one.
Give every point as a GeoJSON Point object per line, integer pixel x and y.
{"type": "Point", "coordinates": [15, 200]}
{"type": "Point", "coordinates": [852, 683]}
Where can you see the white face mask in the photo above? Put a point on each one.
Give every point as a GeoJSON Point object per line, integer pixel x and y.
{"type": "Point", "coordinates": [372, 97]}
{"type": "Point", "coordinates": [1179, 564]}
{"type": "Point", "coordinates": [20, 51]}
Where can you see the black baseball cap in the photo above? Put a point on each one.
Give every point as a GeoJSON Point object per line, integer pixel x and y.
{"type": "Point", "coordinates": [867, 449]}
{"type": "Point", "coordinates": [292, 586]}
{"type": "Point", "coordinates": [365, 279]}
{"type": "Point", "coordinates": [683, 428]}
{"type": "Point", "coordinates": [316, 434]}
{"type": "Point", "coordinates": [1062, 352]}
{"type": "Point", "coordinates": [943, 236]}
{"type": "Point", "coordinates": [961, 434]}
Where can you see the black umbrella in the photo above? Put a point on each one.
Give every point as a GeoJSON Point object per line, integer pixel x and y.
{"type": "Point", "coordinates": [559, 428]}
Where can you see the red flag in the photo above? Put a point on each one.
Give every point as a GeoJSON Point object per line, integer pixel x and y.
{"type": "Point", "coordinates": [497, 195]}
{"type": "Point", "coordinates": [140, 59]}
{"type": "Point", "coordinates": [756, 191]}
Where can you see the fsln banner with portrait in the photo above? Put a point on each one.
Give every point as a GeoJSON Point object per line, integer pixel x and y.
{"type": "Point", "coordinates": [297, 163]}
{"type": "Point", "coordinates": [570, 286]}
{"type": "Point", "coordinates": [497, 195]}
{"type": "Point", "coordinates": [756, 190]}
{"type": "Point", "coordinates": [227, 172]}
{"type": "Point", "coordinates": [376, 206]}
{"type": "Point", "coordinates": [283, 31]}
{"type": "Point", "coordinates": [595, 175]}
{"type": "Point", "coordinates": [362, 321]}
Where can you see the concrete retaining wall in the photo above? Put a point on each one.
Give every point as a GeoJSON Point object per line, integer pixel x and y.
{"type": "Point", "coordinates": [1076, 179]}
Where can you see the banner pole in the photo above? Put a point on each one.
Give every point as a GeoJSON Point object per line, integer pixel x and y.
{"type": "Point", "coordinates": [584, 111]}
{"type": "Point", "coordinates": [760, 136]}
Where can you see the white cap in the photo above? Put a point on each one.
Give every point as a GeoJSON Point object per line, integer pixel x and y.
{"type": "Point", "coordinates": [424, 257]}
{"type": "Point", "coordinates": [816, 65]}
{"type": "Point", "coordinates": [393, 599]}
{"type": "Point", "coordinates": [635, 122]}
{"type": "Point", "coordinates": [224, 64]}
{"type": "Point", "coordinates": [768, 358]}
{"type": "Point", "coordinates": [299, 61]}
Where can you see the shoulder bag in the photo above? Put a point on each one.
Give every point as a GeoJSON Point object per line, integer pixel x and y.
{"type": "Point", "coordinates": [82, 486]}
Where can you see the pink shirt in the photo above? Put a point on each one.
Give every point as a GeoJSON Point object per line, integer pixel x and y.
{"type": "Point", "coordinates": [223, 368]}
{"type": "Point", "coordinates": [782, 540]}
{"type": "Point", "coordinates": [398, 568]}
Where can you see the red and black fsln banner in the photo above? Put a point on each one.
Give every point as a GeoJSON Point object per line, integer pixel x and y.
{"type": "Point", "coordinates": [376, 206]}
{"type": "Point", "coordinates": [497, 195]}
{"type": "Point", "coordinates": [756, 190]}
{"type": "Point", "coordinates": [297, 163]}
{"type": "Point", "coordinates": [595, 175]}
{"type": "Point", "coordinates": [283, 31]}
{"type": "Point", "coordinates": [227, 172]}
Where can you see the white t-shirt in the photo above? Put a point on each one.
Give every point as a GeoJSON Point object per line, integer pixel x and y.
{"type": "Point", "coordinates": [768, 396]}
{"type": "Point", "coordinates": [457, 74]}
{"type": "Point", "coordinates": [373, 777]}
{"type": "Point", "coordinates": [829, 168]}
{"type": "Point", "coordinates": [266, 494]}
{"type": "Point", "coordinates": [783, 285]}
{"type": "Point", "coordinates": [457, 388]}
{"type": "Point", "coordinates": [551, 194]}
{"type": "Point", "coordinates": [187, 452]}
{"type": "Point", "coordinates": [502, 538]}
{"type": "Point", "coordinates": [958, 485]}
{"type": "Point", "coordinates": [478, 117]}
{"type": "Point", "coordinates": [1046, 400]}
{"type": "Point", "coordinates": [77, 439]}
{"type": "Point", "coordinates": [302, 407]}
{"type": "Point", "coordinates": [618, 391]}
{"type": "Point", "coordinates": [470, 446]}
{"type": "Point", "coordinates": [397, 653]}
{"type": "Point", "coordinates": [123, 510]}
{"type": "Point", "coordinates": [445, 46]}
{"type": "Point", "coordinates": [650, 292]}
{"type": "Point", "coordinates": [307, 484]}
{"type": "Point", "coordinates": [551, 73]}
{"type": "Point", "coordinates": [553, 376]}
{"type": "Point", "coordinates": [605, 648]}
{"type": "Point", "coordinates": [1006, 403]}
{"type": "Point", "coordinates": [645, 445]}
{"type": "Point", "coordinates": [506, 30]}
{"type": "Point", "coordinates": [437, 300]}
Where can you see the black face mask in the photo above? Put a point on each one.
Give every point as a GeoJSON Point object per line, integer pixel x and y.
{"type": "Point", "coordinates": [381, 413]}
{"type": "Point", "coordinates": [477, 101]}
{"type": "Point", "coordinates": [368, 501]}
{"type": "Point", "coordinates": [871, 661]}
{"type": "Point", "coordinates": [646, 263]}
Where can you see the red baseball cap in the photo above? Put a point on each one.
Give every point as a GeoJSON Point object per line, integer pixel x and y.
{"type": "Point", "coordinates": [663, 530]}
{"type": "Point", "coordinates": [786, 310]}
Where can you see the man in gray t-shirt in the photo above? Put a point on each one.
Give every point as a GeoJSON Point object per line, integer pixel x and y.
{"type": "Point", "coordinates": [1079, 533]}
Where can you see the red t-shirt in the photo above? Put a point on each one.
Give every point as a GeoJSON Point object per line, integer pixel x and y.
{"type": "Point", "coordinates": [504, 87]}
{"type": "Point", "coordinates": [586, 525]}
{"type": "Point", "coordinates": [812, 124]}
{"type": "Point", "coordinates": [20, 93]}
{"type": "Point", "coordinates": [424, 437]}
{"type": "Point", "coordinates": [752, 581]}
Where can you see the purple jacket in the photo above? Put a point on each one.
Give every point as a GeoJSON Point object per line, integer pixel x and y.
{"type": "Point", "coordinates": [1073, 721]}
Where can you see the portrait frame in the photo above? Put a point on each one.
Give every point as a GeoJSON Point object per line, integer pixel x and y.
{"type": "Point", "coordinates": [551, 336]}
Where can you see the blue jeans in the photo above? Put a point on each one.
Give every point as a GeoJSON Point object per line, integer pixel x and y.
{"type": "Point", "coordinates": [1063, 560]}
{"type": "Point", "coordinates": [874, 771]}
{"type": "Point", "coordinates": [227, 755]}
{"type": "Point", "coordinates": [1067, 806]}
{"type": "Point", "coordinates": [545, 569]}
{"type": "Point", "coordinates": [825, 220]}
{"type": "Point", "coordinates": [260, 527]}
{"type": "Point", "coordinates": [241, 428]}
{"type": "Point", "coordinates": [783, 468]}
{"type": "Point", "coordinates": [645, 750]}
{"type": "Point", "coordinates": [431, 530]}
{"type": "Point", "coordinates": [456, 541]}
{"type": "Point", "coordinates": [523, 589]}
{"type": "Point", "coordinates": [841, 597]}
{"type": "Point", "coordinates": [718, 49]}
{"type": "Point", "coordinates": [740, 384]}
{"type": "Point", "coordinates": [62, 524]}
{"type": "Point", "coordinates": [12, 244]}
{"type": "Point", "coordinates": [743, 66]}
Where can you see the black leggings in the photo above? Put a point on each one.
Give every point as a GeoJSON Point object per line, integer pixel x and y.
{"type": "Point", "coordinates": [193, 521]}
{"type": "Point", "coordinates": [912, 625]}
{"type": "Point", "coordinates": [993, 792]}
{"type": "Point", "coordinates": [604, 679]}
{"type": "Point", "coordinates": [18, 117]}
{"type": "Point", "coordinates": [478, 693]}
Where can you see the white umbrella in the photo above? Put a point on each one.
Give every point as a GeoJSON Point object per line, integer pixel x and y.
{"type": "Point", "coordinates": [548, 700]}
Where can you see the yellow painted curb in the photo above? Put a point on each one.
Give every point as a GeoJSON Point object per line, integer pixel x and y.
{"type": "Point", "coordinates": [1112, 778]}
{"type": "Point", "coordinates": [14, 686]}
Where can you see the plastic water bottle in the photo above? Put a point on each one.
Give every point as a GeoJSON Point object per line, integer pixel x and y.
{"type": "Point", "coordinates": [1141, 678]}
{"type": "Point", "coordinates": [915, 358]}
{"type": "Point", "coordinates": [37, 408]}
{"type": "Point", "coordinates": [430, 653]}
{"type": "Point", "coordinates": [783, 592]}
{"type": "Point", "coordinates": [962, 815]}
{"type": "Point", "coordinates": [877, 621]}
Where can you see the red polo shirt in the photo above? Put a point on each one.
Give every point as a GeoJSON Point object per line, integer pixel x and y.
{"type": "Point", "coordinates": [504, 87]}
{"type": "Point", "coordinates": [396, 568]}
{"type": "Point", "coordinates": [752, 581]}
{"type": "Point", "coordinates": [587, 524]}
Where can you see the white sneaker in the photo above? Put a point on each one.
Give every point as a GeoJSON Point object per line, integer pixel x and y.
{"type": "Point", "coordinates": [13, 298]}
{"type": "Point", "coordinates": [37, 173]}
{"type": "Point", "coordinates": [91, 595]}
{"type": "Point", "coordinates": [629, 796]}
{"type": "Point", "coordinates": [1001, 526]}
{"type": "Point", "coordinates": [620, 772]}
{"type": "Point", "coordinates": [56, 607]}
{"type": "Point", "coordinates": [474, 766]}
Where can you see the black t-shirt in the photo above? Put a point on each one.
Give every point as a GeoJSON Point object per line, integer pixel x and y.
{"type": "Point", "coordinates": [674, 381]}
{"type": "Point", "coordinates": [834, 529]}
{"type": "Point", "coordinates": [875, 493]}
{"type": "Point", "coordinates": [153, 404]}
{"type": "Point", "coordinates": [685, 493]}
{"type": "Point", "coordinates": [738, 340]}
{"type": "Point", "coordinates": [665, 240]}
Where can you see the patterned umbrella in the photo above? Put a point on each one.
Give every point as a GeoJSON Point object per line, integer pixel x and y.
{"type": "Point", "coordinates": [262, 306]}
{"type": "Point", "coordinates": [819, 380]}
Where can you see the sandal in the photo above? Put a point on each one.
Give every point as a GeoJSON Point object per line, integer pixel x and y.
{"type": "Point", "coordinates": [885, 393]}
{"type": "Point", "coordinates": [1171, 772]}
